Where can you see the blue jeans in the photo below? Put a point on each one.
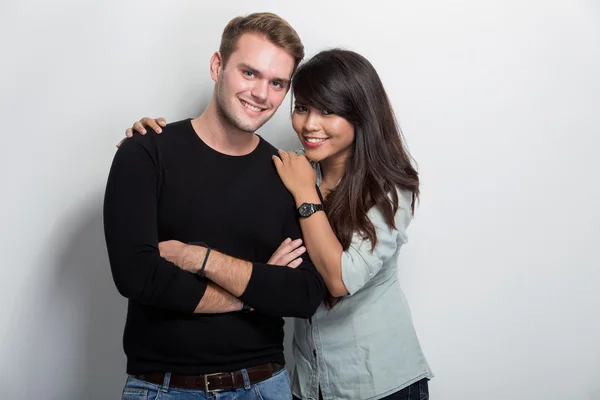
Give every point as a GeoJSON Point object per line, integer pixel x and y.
{"type": "Point", "coordinates": [276, 387]}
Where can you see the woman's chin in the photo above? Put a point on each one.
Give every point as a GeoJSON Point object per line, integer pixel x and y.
{"type": "Point", "coordinates": [312, 155]}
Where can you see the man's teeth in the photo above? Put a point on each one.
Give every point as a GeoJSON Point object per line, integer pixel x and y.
{"type": "Point", "coordinates": [250, 106]}
{"type": "Point", "coordinates": [315, 140]}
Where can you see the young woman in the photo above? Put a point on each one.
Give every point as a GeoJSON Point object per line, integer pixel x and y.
{"type": "Point", "coordinates": [361, 343]}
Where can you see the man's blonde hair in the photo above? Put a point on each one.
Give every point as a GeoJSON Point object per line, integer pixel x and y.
{"type": "Point", "coordinates": [276, 29]}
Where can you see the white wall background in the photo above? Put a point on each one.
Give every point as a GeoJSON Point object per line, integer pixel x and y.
{"type": "Point", "coordinates": [499, 101]}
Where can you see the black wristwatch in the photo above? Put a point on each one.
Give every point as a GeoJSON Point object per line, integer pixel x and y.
{"type": "Point", "coordinates": [308, 209]}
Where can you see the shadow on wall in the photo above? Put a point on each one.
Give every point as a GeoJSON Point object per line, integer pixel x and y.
{"type": "Point", "coordinates": [66, 328]}
{"type": "Point", "coordinates": [85, 282]}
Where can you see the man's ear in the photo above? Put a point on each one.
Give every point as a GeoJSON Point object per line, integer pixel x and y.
{"type": "Point", "coordinates": [216, 64]}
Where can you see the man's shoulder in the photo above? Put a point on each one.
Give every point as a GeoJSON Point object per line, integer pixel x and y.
{"type": "Point", "coordinates": [267, 145]}
{"type": "Point", "coordinates": [174, 130]}
{"type": "Point", "coordinates": [152, 140]}
{"type": "Point", "coordinates": [274, 150]}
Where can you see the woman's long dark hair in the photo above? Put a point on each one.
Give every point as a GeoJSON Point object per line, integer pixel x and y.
{"type": "Point", "coordinates": [346, 84]}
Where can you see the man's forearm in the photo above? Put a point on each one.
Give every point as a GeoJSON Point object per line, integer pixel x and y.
{"type": "Point", "coordinates": [272, 290]}
{"type": "Point", "coordinates": [228, 272]}
{"type": "Point", "coordinates": [217, 300]}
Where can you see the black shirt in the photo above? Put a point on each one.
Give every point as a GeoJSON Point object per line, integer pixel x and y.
{"type": "Point", "coordinates": [174, 186]}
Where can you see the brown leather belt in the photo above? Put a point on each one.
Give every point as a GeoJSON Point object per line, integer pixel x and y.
{"type": "Point", "coordinates": [216, 382]}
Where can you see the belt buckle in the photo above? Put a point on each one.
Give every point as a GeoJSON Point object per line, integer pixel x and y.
{"type": "Point", "coordinates": [206, 383]}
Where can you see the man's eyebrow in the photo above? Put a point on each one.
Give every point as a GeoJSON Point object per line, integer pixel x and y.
{"type": "Point", "coordinates": [283, 81]}
{"type": "Point", "coordinates": [257, 72]}
{"type": "Point", "coordinates": [249, 68]}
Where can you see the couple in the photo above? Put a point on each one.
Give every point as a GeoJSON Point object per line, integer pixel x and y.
{"type": "Point", "coordinates": [214, 235]}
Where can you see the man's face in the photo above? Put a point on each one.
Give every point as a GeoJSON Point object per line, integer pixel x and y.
{"type": "Point", "coordinates": [251, 87]}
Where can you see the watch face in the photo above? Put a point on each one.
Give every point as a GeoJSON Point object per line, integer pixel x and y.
{"type": "Point", "coordinates": [305, 209]}
{"type": "Point", "coordinates": [308, 209]}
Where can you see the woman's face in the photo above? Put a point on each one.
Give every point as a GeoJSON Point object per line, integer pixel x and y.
{"type": "Point", "coordinates": [323, 135]}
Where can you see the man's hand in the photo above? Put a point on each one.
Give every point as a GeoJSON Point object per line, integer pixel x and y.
{"type": "Point", "coordinates": [288, 253]}
{"type": "Point", "coordinates": [181, 254]}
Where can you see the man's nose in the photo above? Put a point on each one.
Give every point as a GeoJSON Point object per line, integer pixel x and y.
{"type": "Point", "coordinates": [260, 91]}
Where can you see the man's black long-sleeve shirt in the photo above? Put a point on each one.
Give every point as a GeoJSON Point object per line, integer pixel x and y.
{"type": "Point", "coordinates": [174, 186]}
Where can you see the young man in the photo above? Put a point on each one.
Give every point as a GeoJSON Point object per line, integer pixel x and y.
{"type": "Point", "coordinates": [191, 218]}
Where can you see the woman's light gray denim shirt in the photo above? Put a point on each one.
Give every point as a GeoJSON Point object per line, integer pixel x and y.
{"type": "Point", "coordinates": [365, 347]}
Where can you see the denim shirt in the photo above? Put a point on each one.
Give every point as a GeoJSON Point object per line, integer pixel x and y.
{"type": "Point", "coordinates": [366, 347]}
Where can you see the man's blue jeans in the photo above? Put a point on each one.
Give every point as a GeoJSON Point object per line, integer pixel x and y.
{"type": "Point", "coordinates": [276, 387]}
